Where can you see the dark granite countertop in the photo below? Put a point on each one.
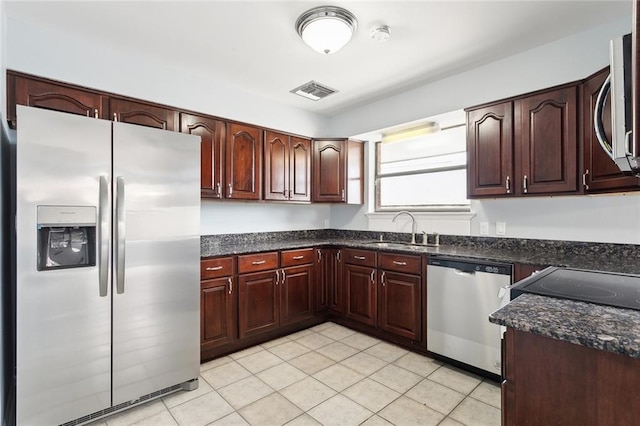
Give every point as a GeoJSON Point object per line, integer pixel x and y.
{"type": "Point", "coordinates": [601, 257]}
{"type": "Point", "coordinates": [594, 326]}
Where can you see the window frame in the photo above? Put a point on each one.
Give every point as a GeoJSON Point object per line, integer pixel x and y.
{"type": "Point", "coordinates": [453, 208]}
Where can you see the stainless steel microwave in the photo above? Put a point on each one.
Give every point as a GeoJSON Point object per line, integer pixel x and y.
{"type": "Point", "coordinates": [622, 149]}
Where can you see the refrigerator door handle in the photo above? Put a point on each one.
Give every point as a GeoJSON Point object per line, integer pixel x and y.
{"type": "Point", "coordinates": [103, 236]}
{"type": "Point", "coordinates": [120, 235]}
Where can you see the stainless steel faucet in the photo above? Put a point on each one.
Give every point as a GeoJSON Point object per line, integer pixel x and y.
{"type": "Point", "coordinates": [413, 224]}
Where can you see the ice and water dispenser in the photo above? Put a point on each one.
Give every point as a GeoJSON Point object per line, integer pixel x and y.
{"type": "Point", "coordinates": [66, 237]}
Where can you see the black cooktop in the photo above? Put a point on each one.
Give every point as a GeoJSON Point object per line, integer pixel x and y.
{"type": "Point", "coordinates": [604, 288]}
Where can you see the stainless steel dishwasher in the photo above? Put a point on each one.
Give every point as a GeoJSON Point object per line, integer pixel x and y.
{"type": "Point", "coordinates": [461, 294]}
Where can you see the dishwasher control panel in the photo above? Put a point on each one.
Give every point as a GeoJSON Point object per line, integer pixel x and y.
{"type": "Point", "coordinates": [468, 265]}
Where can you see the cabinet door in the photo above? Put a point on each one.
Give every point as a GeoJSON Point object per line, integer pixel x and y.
{"type": "Point", "coordinates": [296, 284]}
{"type": "Point", "coordinates": [400, 301]}
{"type": "Point", "coordinates": [276, 166]}
{"type": "Point", "coordinates": [360, 294]}
{"type": "Point", "coordinates": [329, 163]}
{"type": "Point", "coordinates": [321, 290]}
{"type": "Point", "coordinates": [300, 170]}
{"type": "Point", "coordinates": [334, 281]}
{"type": "Point", "coordinates": [34, 92]}
{"type": "Point", "coordinates": [600, 172]}
{"type": "Point", "coordinates": [244, 161]}
{"type": "Point", "coordinates": [546, 142]}
{"type": "Point", "coordinates": [490, 150]}
{"type": "Point", "coordinates": [218, 313]}
{"type": "Point", "coordinates": [258, 303]}
{"type": "Point", "coordinates": [143, 114]}
{"type": "Point", "coordinates": [211, 134]}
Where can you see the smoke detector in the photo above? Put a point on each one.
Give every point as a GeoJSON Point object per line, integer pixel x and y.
{"type": "Point", "coordinates": [380, 33]}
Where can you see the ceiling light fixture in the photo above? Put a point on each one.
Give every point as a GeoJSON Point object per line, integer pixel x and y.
{"type": "Point", "coordinates": [326, 29]}
{"type": "Point", "coordinates": [411, 132]}
{"type": "Point", "coordinates": [381, 33]}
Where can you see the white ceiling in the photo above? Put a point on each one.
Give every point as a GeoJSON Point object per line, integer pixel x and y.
{"type": "Point", "coordinates": [254, 45]}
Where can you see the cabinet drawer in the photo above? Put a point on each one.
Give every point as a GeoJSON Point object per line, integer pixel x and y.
{"type": "Point", "coordinates": [400, 263]}
{"type": "Point", "coordinates": [257, 262]}
{"type": "Point", "coordinates": [360, 257]}
{"type": "Point", "coordinates": [214, 268]}
{"type": "Point", "coordinates": [296, 257]}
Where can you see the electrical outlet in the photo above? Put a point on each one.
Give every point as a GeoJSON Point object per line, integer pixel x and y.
{"type": "Point", "coordinates": [484, 228]}
{"type": "Point", "coordinates": [501, 228]}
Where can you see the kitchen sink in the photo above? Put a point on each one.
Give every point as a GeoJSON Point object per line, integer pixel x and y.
{"type": "Point", "coordinates": [396, 244]}
{"type": "Point", "coordinates": [399, 244]}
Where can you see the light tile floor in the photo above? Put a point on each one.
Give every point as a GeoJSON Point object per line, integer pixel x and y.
{"type": "Point", "coordinates": [326, 375]}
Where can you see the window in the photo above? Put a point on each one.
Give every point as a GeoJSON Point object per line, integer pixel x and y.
{"type": "Point", "coordinates": [426, 172]}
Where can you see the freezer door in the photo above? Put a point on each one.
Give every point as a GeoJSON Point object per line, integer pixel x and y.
{"type": "Point", "coordinates": [156, 253]}
{"type": "Point", "coordinates": [63, 326]}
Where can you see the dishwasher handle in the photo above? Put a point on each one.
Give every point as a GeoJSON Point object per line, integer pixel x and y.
{"type": "Point", "coordinates": [464, 273]}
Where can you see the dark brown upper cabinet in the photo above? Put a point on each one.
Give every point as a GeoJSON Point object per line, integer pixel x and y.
{"type": "Point", "coordinates": [490, 150]}
{"type": "Point", "coordinates": [43, 93]}
{"type": "Point", "coordinates": [333, 181]}
{"type": "Point", "coordinates": [287, 167]}
{"type": "Point", "coordinates": [243, 162]}
{"type": "Point", "coordinates": [143, 114]}
{"type": "Point", "coordinates": [600, 173]}
{"type": "Point", "coordinates": [525, 146]}
{"type": "Point", "coordinates": [546, 135]}
{"type": "Point", "coordinates": [211, 132]}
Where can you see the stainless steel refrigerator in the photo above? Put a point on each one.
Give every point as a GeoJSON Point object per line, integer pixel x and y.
{"type": "Point", "coordinates": [107, 272]}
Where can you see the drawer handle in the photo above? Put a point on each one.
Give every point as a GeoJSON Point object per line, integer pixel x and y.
{"type": "Point", "coordinates": [395, 262]}
{"type": "Point", "coordinates": [359, 257]}
{"type": "Point", "coordinates": [258, 262]}
{"type": "Point", "coordinates": [214, 268]}
{"type": "Point", "coordinates": [298, 257]}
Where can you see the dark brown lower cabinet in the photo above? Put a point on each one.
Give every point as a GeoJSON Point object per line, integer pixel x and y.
{"type": "Point", "coordinates": [360, 294]}
{"type": "Point", "coordinates": [218, 310]}
{"type": "Point", "coordinates": [296, 300]}
{"type": "Point", "coordinates": [552, 382]}
{"type": "Point", "coordinates": [259, 307]}
{"type": "Point", "coordinates": [400, 309]}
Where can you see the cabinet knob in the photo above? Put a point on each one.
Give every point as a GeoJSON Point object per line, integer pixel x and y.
{"type": "Point", "coordinates": [230, 285]}
{"type": "Point", "coordinates": [319, 255]}
{"type": "Point", "coordinates": [230, 190]}
{"type": "Point", "coordinates": [382, 275]}
{"type": "Point", "coordinates": [508, 185]}
{"type": "Point", "coordinates": [525, 184]}
{"type": "Point", "coordinates": [373, 275]}
{"type": "Point", "coordinates": [343, 195]}
{"type": "Point", "coordinates": [214, 268]}
{"type": "Point", "coordinates": [298, 257]}
{"type": "Point", "coordinates": [115, 116]}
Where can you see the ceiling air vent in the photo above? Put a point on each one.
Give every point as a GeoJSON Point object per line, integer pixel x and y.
{"type": "Point", "coordinates": [313, 90]}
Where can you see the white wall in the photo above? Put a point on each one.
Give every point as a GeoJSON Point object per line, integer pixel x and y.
{"type": "Point", "coordinates": [565, 60]}
{"type": "Point", "coordinates": [59, 56]}
{"type": "Point", "coordinates": [604, 218]}
{"type": "Point", "coordinates": [228, 217]}
{"type": "Point", "coordinates": [612, 218]}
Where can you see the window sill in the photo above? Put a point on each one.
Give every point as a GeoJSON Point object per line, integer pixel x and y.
{"type": "Point", "coordinates": [466, 215]}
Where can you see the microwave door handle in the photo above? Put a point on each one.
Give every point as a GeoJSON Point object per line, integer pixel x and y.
{"type": "Point", "coordinates": [120, 235]}
{"type": "Point", "coordinates": [597, 118]}
{"type": "Point", "coordinates": [103, 236]}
